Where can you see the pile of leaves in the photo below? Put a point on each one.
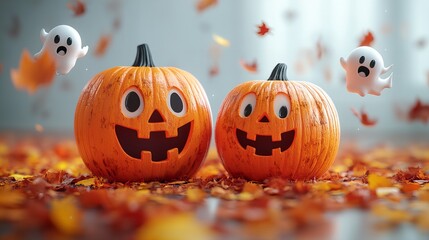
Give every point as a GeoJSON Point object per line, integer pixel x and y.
{"type": "Point", "coordinates": [47, 192]}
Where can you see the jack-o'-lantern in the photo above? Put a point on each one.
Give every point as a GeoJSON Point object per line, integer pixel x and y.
{"type": "Point", "coordinates": [143, 123]}
{"type": "Point", "coordinates": [277, 128]}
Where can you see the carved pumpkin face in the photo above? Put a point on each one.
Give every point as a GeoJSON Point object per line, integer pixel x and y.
{"type": "Point", "coordinates": [143, 123]}
{"type": "Point", "coordinates": [277, 128]}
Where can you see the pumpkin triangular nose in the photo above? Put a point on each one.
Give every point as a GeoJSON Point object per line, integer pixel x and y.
{"type": "Point", "coordinates": [264, 119]}
{"type": "Point", "coordinates": [156, 117]}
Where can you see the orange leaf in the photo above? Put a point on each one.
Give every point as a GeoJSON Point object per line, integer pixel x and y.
{"type": "Point", "coordinates": [376, 181]}
{"type": "Point", "coordinates": [367, 39]}
{"type": "Point", "coordinates": [263, 29]}
{"type": "Point", "coordinates": [363, 118]}
{"type": "Point", "coordinates": [410, 187]}
{"type": "Point", "coordinates": [419, 111]}
{"type": "Point", "coordinates": [78, 7]}
{"type": "Point", "coordinates": [33, 73]}
{"type": "Point", "coordinates": [102, 45]}
{"type": "Point", "coordinates": [250, 67]}
{"type": "Point", "coordinates": [203, 5]}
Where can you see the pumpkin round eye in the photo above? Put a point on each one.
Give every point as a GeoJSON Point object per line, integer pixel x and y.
{"type": "Point", "coordinates": [132, 103]}
{"type": "Point", "coordinates": [69, 41]}
{"type": "Point", "coordinates": [57, 39]}
{"type": "Point", "coordinates": [281, 106]}
{"type": "Point", "coordinates": [247, 105]}
{"type": "Point", "coordinates": [176, 103]}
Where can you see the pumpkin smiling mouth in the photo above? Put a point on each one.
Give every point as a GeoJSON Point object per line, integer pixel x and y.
{"type": "Point", "coordinates": [157, 143]}
{"type": "Point", "coordinates": [264, 145]}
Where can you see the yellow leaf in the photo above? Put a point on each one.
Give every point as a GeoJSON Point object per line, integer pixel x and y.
{"type": "Point", "coordinates": [221, 41]}
{"type": "Point", "coordinates": [376, 181]}
{"type": "Point", "coordinates": [195, 195]}
{"type": "Point", "coordinates": [182, 226]}
{"type": "Point", "coordinates": [87, 182]}
{"type": "Point", "coordinates": [20, 177]}
{"type": "Point", "coordinates": [10, 198]}
{"type": "Point", "coordinates": [66, 216]}
{"type": "Point", "coordinates": [391, 215]}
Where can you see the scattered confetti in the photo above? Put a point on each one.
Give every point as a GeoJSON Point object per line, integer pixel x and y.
{"type": "Point", "coordinates": [203, 5]}
{"type": "Point", "coordinates": [220, 40]}
{"type": "Point", "coordinates": [102, 45]}
{"type": "Point", "coordinates": [263, 29]}
{"type": "Point", "coordinates": [364, 118]}
{"type": "Point", "coordinates": [78, 7]}
{"type": "Point", "coordinates": [250, 67]}
{"type": "Point", "coordinates": [33, 73]}
{"type": "Point", "coordinates": [367, 39]}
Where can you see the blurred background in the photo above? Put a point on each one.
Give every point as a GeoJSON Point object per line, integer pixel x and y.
{"type": "Point", "coordinates": [309, 36]}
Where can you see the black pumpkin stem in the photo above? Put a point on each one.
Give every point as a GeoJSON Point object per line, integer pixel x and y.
{"type": "Point", "coordinates": [143, 57]}
{"type": "Point", "coordinates": [278, 73]}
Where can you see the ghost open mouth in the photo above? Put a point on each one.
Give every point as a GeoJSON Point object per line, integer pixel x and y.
{"type": "Point", "coordinates": [363, 71]}
{"type": "Point", "coordinates": [264, 144]}
{"type": "Point", "coordinates": [61, 50]}
{"type": "Point", "coordinates": [157, 143]}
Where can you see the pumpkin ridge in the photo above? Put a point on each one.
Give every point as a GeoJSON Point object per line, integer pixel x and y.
{"type": "Point", "coordinates": [301, 133]}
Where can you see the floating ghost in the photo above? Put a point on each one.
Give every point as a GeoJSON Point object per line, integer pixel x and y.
{"type": "Point", "coordinates": [363, 68]}
{"type": "Point", "coordinates": [65, 45]}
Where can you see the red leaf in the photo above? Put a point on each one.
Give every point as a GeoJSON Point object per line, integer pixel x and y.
{"type": "Point", "coordinates": [102, 45]}
{"type": "Point", "coordinates": [203, 5]}
{"type": "Point", "coordinates": [363, 118]}
{"type": "Point", "coordinates": [419, 112]}
{"type": "Point", "coordinates": [250, 67]}
{"type": "Point", "coordinates": [33, 73]}
{"type": "Point", "coordinates": [367, 40]}
{"type": "Point", "coordinates": [78, 7]}
{"type": "Point", "coordinates": [214, 70]}
{"type": "Point", "coordinates": [263, 29]}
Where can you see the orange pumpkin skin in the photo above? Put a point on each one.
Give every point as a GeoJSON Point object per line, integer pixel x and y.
{"type": "Point", "coordinates": [156, 144]}
{"type": "Point", "coordinates": [303, 145]}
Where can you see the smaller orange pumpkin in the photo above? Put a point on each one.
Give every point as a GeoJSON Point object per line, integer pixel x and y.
{"type": "Point", "coordinates": [143, 123]}
{"type": "Point", "coordinates": [277, 128]}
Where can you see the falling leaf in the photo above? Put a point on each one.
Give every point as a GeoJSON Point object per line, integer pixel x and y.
{"type": "Point", "coordinates": [419, 112]}
{"type": "Point", "coordinates": [367, 39]}
{"type": "Point", "coordinates": [15, 27]}
{"type": "Point", "coordinates": [214, 71]}
{"type": "Point", "coordinates": [320, 49]}
{"type": "Point", "coordinates": [203, 5]}
{"type": "Point", "coordinates": [174, 226]}
{"type": "Point", "coordinates": [363, 118]}
{"type": "Point", "coordinates": [250, 67]}
{"type": "Point", "coordinates": [117, 22]}
{"type": "Point", "coordinates": [33, 73]}
{"type": "Point", "coordinates": [327, 74]}
{"type": "Point", "coordinates": [66, 216]}
{"type": "Point", "coordinates": [78, 7]}
{"type": "Point", "coordinates": [38, 127]}
{"type": "Point", "coordinates": [1, 68]}
{"type": "Point", "coordinates": [290, 15]}
{"type": "Point", "coordinates": [102, 45]}
{"type": "Point", "coordinates": [263, 29]}
{"type": "Point", "coordinates": [421, 43]}
{"type": "Point", "coordinates": [221, 41]}
{"type": "Point", "coordinates": [376, 181]}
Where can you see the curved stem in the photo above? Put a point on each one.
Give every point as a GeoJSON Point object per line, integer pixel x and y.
{"type": "Point", "coordinates": [143, 57]}
{"type": "Point", "coordinates": [279, 73]}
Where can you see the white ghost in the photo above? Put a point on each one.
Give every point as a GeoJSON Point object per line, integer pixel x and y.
{"type": "Point", "coordinates": [363, 68]}
{"type": "Point", "coordinates": [65, 45]}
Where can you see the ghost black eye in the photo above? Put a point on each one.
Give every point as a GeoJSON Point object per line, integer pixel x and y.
{"type": "Point", "coordinates": [57, 39]}
{"type": "Point", "coordinates": [372, 64]}
{"type": "Point", "coordinates": [69, 41]}
{"type": "Point", "coordinates": [361, 59]}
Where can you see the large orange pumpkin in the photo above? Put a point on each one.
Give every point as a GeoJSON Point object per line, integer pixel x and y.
{"type": "Point", "coordinates": [143, 123]}
{"type": "Point", "coordinates": [277, 128]}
